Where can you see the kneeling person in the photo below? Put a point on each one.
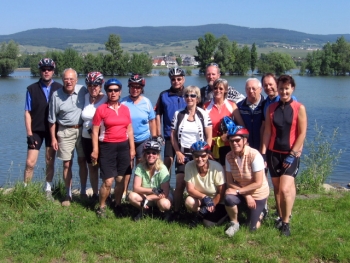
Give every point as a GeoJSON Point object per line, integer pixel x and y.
{"type": "Point", "coordinates": [205, 184]}
{"type": "Point", "coordinates": [151, 182]}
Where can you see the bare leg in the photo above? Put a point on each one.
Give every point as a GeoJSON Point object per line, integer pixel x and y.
{"type": "Point", "coordinates": [179, 190]}
{"type": "Point", "coordinates": [119, 189]}
{"type": "Point", "coordinates": [287, 195]}
{"type": "Point", "coordinates": [168, 161]}
{"type": "Point", "coordinates": [276, 189]}
{"type": "Point", "coordinates": [83, 172]}
{"type": "Point", "coordinates": [105, 190]}
{"type": "Point", "coordinates": [192, 204]}
{"type": "Point", "coordinates": [232, 213]}
{"type": "Point", "coordinates": [32, 157]}
{"type": "Point", "coordinates": [50, 155]}
{"type": "Point", "coordinates": [67, 174]}
{"type": "Point", "coordinates": [93, 174]}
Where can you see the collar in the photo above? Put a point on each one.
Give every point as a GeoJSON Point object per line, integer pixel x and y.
{"type": "Point", "coordinates": [285, 103]}
{"type": "Point", "coordinates": [178, 92]}
{"type": "Point", "coordinates": [42, 84]}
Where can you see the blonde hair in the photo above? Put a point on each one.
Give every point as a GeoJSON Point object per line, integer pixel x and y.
{"type": "Point", "coordinates": [144, 163]}
{"type": "Point", "coordinates": [224, 83]}
{"type": "Point", "coordinates": [193, 89]}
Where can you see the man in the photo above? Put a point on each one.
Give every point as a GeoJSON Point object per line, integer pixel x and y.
{"type": "Point", "coordinates": [65, 109]}
{"type": "Point", "coordinates": [212, 73]}
{"type": "Point", "coordinates": [35, 117]}
{"type": "Point", "coordinates": [169, 101]}
{"type": "Point", "coordinates": [251, 111]}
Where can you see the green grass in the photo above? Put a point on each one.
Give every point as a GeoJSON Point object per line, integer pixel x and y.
{"type": "Point", "coordinates": [47, 232]}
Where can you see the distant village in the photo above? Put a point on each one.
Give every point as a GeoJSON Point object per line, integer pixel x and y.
{"type": "Point", "coordinates": [170, 61]}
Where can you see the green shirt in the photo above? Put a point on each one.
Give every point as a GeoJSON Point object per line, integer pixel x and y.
{"type": "Point", "coordinates": [157, 179]}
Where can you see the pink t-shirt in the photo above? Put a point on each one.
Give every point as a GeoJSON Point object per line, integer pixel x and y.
{"type": "Point", "coordinates": [113, 123]}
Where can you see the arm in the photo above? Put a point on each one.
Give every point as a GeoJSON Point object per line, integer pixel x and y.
{"type": "Point", "coordinates": [28, 123]}
{"type": "Point", "coordinates": [208, 134]}
{"type": "Point", "coordinates": [153, 128]}
{"type": "Point", "coordinates": [302, 126]}
{"type": "Point", "coordinates": [130, 133]}
{"type": "Point", "coordinates": [54, 143]}
{"type": "Point", "coordinates": [236, 116]}
{"type": "Point", "coordinates": [262, 128]}
{"type": "Point", "coordinates": [180, 157]}
{"type": "Point", "coordinates": [267, 132]}
{"type": "Point", "coordinates": [94, 138]}
{"type": "Point", "coordinates": [143, 190]}
{"type": "Point", "coordinates": [158, 125]}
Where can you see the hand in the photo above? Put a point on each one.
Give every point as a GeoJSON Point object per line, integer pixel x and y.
{"type": "Point", "coordinates": [132, 154]}
{"type": "Point", "coordinates": [250, 201]}
{"type": "Point", "coordinates": [157, 191]}
{"type": "Point", "coordinates": [180, 157]}
{"type": "Point", "coordinates": [54, 144]}
{"type": "Point", "coordinates": [159, 139]}
{"type": "Point", "coordinates": [94, 156]}
{"type": "Point", "coordinates": [207, 201]}
{"type": "Point", "coordinates": [288, 161]}
{"type": "Point", "coordinates": [31, 142]}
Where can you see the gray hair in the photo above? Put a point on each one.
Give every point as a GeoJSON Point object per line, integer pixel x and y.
{"type": "Point", "coordinates": [193, 89]}
{"type": "Point", "coordinates": [67, 69]}
{"type": "Point", "coordinates": [256, 80]}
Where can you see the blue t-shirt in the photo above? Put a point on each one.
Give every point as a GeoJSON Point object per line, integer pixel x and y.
{"type": "Point", "coordinates": [141, 113]}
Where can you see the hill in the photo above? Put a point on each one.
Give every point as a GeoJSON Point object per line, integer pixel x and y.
{"type": "Point", "coordinates": [62, 38]}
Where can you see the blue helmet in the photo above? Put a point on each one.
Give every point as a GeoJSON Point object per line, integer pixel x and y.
{"type": "Point", "coordinates": [238, 131]}
{"type": "Point", "coordinates": [200, 147]}
{"type": "Point", "coordinates": [111, 82]}
{"type": "Point", "coordinates": [226, 124]}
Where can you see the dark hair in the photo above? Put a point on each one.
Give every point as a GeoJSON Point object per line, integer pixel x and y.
{"type": "Point", "coordinates": [286, 79]}
{"type": "Point", "coordinates": [268, 75]}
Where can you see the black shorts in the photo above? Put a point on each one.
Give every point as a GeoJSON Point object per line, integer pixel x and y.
{"type": "Point", "coordinates": [218, 214]}
{"type": "Point", "coordinates": [139, 149]}
{"type": "Point", "coordinates": [87, 148]}
{"type": "Point", "coordinates": [223, 151]}
{"type": "Point", "coordinates": [39, 138]}
{"type": "Point", "coordinates": [179, 167]}
{"type": "Point", "coordinates": [275, 163]}
{"type": "Point", "coordinates": [114, 159]}
{"type": "Point", "coordinates": [168, 149]}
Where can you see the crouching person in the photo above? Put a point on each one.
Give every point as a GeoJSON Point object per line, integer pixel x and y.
{"type": "Point", "coordinates": [205, 183]}
{"type": "Point", "coordinates": [246, 181]}
{"type": "Point", "coordinates": [151, 182]}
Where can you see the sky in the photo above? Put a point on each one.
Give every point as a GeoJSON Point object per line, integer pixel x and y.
{"type": "Point", "coordinates": [307, 16]}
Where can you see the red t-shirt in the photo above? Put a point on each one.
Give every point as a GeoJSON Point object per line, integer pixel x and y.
{"type": "Point", "coordinates": [113, 123]}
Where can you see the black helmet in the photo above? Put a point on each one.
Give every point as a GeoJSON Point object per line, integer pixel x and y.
{"type": "Point", "coordinates": [136, 79]}
{"type": "Point", "coordinates": [46, 62]}
{"type": "Point", "coordinates": [176, 72]}
{"type": "Point", "coordinates": [151, 145]}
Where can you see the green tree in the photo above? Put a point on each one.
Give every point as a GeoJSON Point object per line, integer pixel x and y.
{"type": "Point", "coordinates": [327, 61]}
{"type": "Point", "coordinates": [90, 63]}
{"type": "Point", "coordinates": [242, 63]}
{"type": "Point", "coordinates": [140, 64]}
{"type": "Point", "coordinates": [57, 56]}
{"type": "Point", "coordinates": [179, 61]}
{"type": "Point", "coordinates": [33, 64]}
{"type": "Point", "coordinates": [313, 62]}
{"type": "Point", "coordinates": [223, 55]}
{"type": "Point", "coordinates": [253, 57]}
{"type": "Point", "coordinates": [8, 58]}
{"type": "Point", "coordinates": [113, 46]}
{"type": "Point", "coordinates": [72, 59]}
{"type": "Point", "coordinates": [205, 50]}
{"type": "Point", "coordinates": [235, 53]}
{"type": "Point", "coordinates": [275, 62]}
{"type": "Point", "coordinates": [341, 50]}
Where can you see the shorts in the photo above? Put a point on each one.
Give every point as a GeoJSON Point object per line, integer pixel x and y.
{"type": "Point", "coordinates": [114, 159]}
{"type": "Point", "coordinates": [168, 149]}
{"type": "Point", "coordinates": [87, 147]}
{"type": "Point", "coordinates": [68, 140]}
{"type": "Point", "coordinates": [39, 138]}
{"type": "Point", "coordinates": [179, 167]}
{"type": "Point", "coordinates": [218, 214]}
{"type": "Point", "coordinates": [223, 151]}
{"type": "Point", "coordinates": [139, 149]}
{"type": "Point", "coordinates": [275, 164]}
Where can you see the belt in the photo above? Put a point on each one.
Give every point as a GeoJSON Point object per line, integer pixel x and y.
{"type": "Point", "coordinates": [77, 126]}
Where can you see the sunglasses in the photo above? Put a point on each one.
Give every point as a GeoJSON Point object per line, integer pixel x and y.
{"type": "Point", "coordinates": [46, 69]}
{"type": "Point", "coordinates": [153, 153]}
{"type": "Point", "coordinates": [217, 88]}
{"type": "Point", "coordinates": [135, 87]}
{"type": "Point", "coordinates": [111, 90]}
{"type": "Point", "coordinates": [235, 140]}
{"type": "Point", "coordinates": [93, 85]}
{"type": "Point", "coordinates": [200, 155]}
{"type": "Point", "coordinates": [177, 79]}
{"type": "Point", "coordinates": [213, 64]}
{"type": "Point", "coordinates": [190, 95]}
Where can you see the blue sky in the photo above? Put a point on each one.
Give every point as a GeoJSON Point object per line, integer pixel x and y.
{"type": "Point", "coordinates": [314, 17]}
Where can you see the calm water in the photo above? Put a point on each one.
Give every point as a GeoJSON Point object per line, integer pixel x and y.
{"type": "Point", "coordinates": [327, 102]}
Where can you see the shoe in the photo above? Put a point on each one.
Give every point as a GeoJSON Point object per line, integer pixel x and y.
{"type": "Point", "coordinates": [167, 216]}
{"type": "Point", "coordinates": [84, 197]}
{"type": "Point", "coordinates": [118, 211]}
{"type": "Point", "coordinates": [278, 222]}
{"type": "Point", "coordinates": [94, 198]}
{"type": "Point", "coordinates": [67, 201]}
{"type": "Point", "coordinates": [49, 196]}
{"type": "Point", "coordinates": [195, 221]}
{"type": "Point", "coordinates": [101, 212]}
{"type": "Point", "coordinates": [285, 229]}
{"type": "Point", "coordinates": [264, 214]}
{"type": "Point", "coordinates": [141, 215]}
{"type": "Point", "coordinates": [232, 229]}
{"type": "Point", "coordinates": [174, 216]}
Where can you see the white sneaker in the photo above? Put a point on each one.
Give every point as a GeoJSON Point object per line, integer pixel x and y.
{"type": "Point", "coordinates": [232, 229]}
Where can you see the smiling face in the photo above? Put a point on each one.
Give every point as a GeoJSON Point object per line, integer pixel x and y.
{"type": "Point", "coordinates": [69, 81]}
{"type": "Point", "coordinates": [211, 74]}
{"type": "Point", "coordinates": [270, 86]}
{"type": "Point", "coordinates": [237, 144]}
{"type": "Point", "coordinates": [191, 98]}
{"type": "Point", "coordinates": [94, 90]}
{"type": "Point", "coordinates": [285, 91]}
{"type": "Point", "coordinates": [219, 92]}
{"type": "Point", "coordinates": [253, 91]}
{"type": "Point", "coordinates": [151, 156]}
{"type": "Point", "coordinates": [200, 158]}
{"type": "Point", "coordinates": [135, 90]}
{"type": "Point", "coordinates": [177, 82]}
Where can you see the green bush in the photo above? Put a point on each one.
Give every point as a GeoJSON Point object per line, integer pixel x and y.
{"type": "Point", "coordinates": [163, 73]}
{"type": "Point", "coordinates": [319, 161]}
{"type": "Point", "coordinates": [188, 72]}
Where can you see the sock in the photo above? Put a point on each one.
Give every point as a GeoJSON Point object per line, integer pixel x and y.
{"type": "Point", "coordinates": [25, 184]}
{"type": "Point", "coordinates": [83, 189]}
{"type": "Point", "coordinates": [69, 191]}
{"type": "Point", "coordinates": [48, 186]}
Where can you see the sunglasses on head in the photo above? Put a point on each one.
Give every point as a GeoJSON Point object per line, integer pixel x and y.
{"type": "Point", "coordinates": [111, 90]}
{"type": "Point", "coordinates": [151, 152]}
{"type": "Point", "coordinates": [190, 95]}
{"type": "Point", "coordinates": [176, 79]}
{"type": "Point", "coordinates": [235, 140]}
{"type": "Point", "coordinates": [46, 69]}
{"type": "Point", "coordinates": [212, 64]}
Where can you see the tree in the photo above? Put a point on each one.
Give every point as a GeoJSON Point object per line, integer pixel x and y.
{"type": "Point", "coordinates": [242, 63]}
{"type": "Point", "coordinates": [205, 50]}
{"type": "Point", "coordinates": [275, 62]}
{"type": "Point", "coordinates": [33, 64]}
{"type": "Point", "coordinates": [113, 46]}
{"type": "Point", "coordinates": [223, 55]}
{"type": "Point", "coordinates": [8, 58]}
{"type": "Point", "coordinates": [313, 62]}
{"type": "Point", "coordinates": [235, 53]}
{"type": "Point", "coordinates": [253, 57]}
{"type": "Point", "coordinates": [140, 64]}
{"type": "Point", "coordinates": [327, 60]}
{"type": "Point", "coordinates": [341, 50]}
{"type": "Point", "coordinates": [179, 61]}
{"type": "Point", "coordinates": [72, 59]}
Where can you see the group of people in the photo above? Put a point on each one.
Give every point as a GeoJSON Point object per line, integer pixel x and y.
{"type": "Point", "coordinates": [223, 143]}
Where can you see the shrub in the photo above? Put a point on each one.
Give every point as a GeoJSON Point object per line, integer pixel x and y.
{"type": "Point", "coordinates": [162, 73]}
{"type": "Point", "coordinates": [188, 72]}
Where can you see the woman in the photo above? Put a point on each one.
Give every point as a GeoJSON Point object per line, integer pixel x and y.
{"type": "Point", "coordinates": [205, 184]}
{"type": "Point", "coordinates": [246, 181]}
{"type": "Point", "coordinates": [284, 135]}
{"type": "Point", "coordinates": [114, 146]}
{"type": "Point", "coordinates": [93, 99]}
{"type": "Point", "coordinates": [218, 108]}
{"type": "Point", "coordinates": [142, 117]}
{"type": "Point", "coordinates": [188, 126]}
{"type": "Point", "coordinates": [151, 183]}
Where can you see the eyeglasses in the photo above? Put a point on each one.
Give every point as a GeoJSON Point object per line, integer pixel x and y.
{"type": "Point", "coordinates": [190, 95]}
{"type": "Point", "coordinates": [153, 153]}
{"type": "Point", "coordinates": [200, 155]}
{"type": "Point", "coordinates": [69, 79]}
{"type": "Point", "coordinates": [135, 87]}
{"type": "Point", "coordinates": [235, 140]}
{"type": "Point", "coordinates": [217, 88]}
{"type": "Point", "coordinates": [176, 79]}
{"type": "Point", "coordinates": [113, 90]}
{"type": "Point", "coordinates": [46, 69]}
{"type": "Point", "coordinates": [213, 64]}
{"type": "Point", "coordinates": [93, 85]}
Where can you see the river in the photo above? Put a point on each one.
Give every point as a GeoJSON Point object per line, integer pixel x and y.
{"type": "Point", "coordinates": [327, 101]}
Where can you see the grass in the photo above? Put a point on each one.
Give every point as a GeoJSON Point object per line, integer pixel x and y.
{"type": "Point", "coordinates": [48, 232]}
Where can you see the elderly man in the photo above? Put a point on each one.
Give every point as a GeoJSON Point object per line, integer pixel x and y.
{"type": "Point", "coordinates": [252, 112]}
{"type": "Point", "coordinates": [212, 73]}
{"type": "Point", "coordinates": [36, 112]}
{"type": "Point", "coordinates": [65, 109]}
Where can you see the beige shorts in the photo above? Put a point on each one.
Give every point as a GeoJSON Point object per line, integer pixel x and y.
{"type": "Point", "coordinates": [68, 140]}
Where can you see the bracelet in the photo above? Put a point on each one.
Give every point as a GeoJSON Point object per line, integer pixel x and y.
{"type": "Point", "coordinates": [294, 153]}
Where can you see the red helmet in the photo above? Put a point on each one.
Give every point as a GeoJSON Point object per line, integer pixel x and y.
{"type": "Point", "coordinates": [46, 62]}
{"type": "Point", "coordinates": [136, 79]}
{"type": "Point", "coordinates": [238, 131]}
{"type": "Point", "coordinates": [94, 78]}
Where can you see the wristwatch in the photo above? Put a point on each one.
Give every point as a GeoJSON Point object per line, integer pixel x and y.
{"type": "Point", "coordinates": [237, 191]}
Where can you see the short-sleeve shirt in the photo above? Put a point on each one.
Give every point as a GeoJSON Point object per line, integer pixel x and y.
{"type": "Point", "coordinates": [141, 113]}
{"type": "Point", "coordinates": [208, 184]}
{"type": "Point", "coordinates": [113, 123]}
{"type": "Point", "coordinates": [158, 178]}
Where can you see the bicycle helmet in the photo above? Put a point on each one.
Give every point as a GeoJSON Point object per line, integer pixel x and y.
{"type": "Point", "coordinates": [152, 145]}
{"type": "Point", "coordinates": [238, 131]}
{"type": "Point", "coordinates": [94, 78]}
{"type": "Point", "coordinates": [111, 82]}
{"type": "Point", "coordinates": [200, 147]}
{"type": "Point", "coordinates": [176, 72]}
{"type": "Point", "coordinates": [137, 79]}
{"type": "Point", "coordinates": [46, 62]}
{"type": "Point", "coordinates": [226, 124]}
